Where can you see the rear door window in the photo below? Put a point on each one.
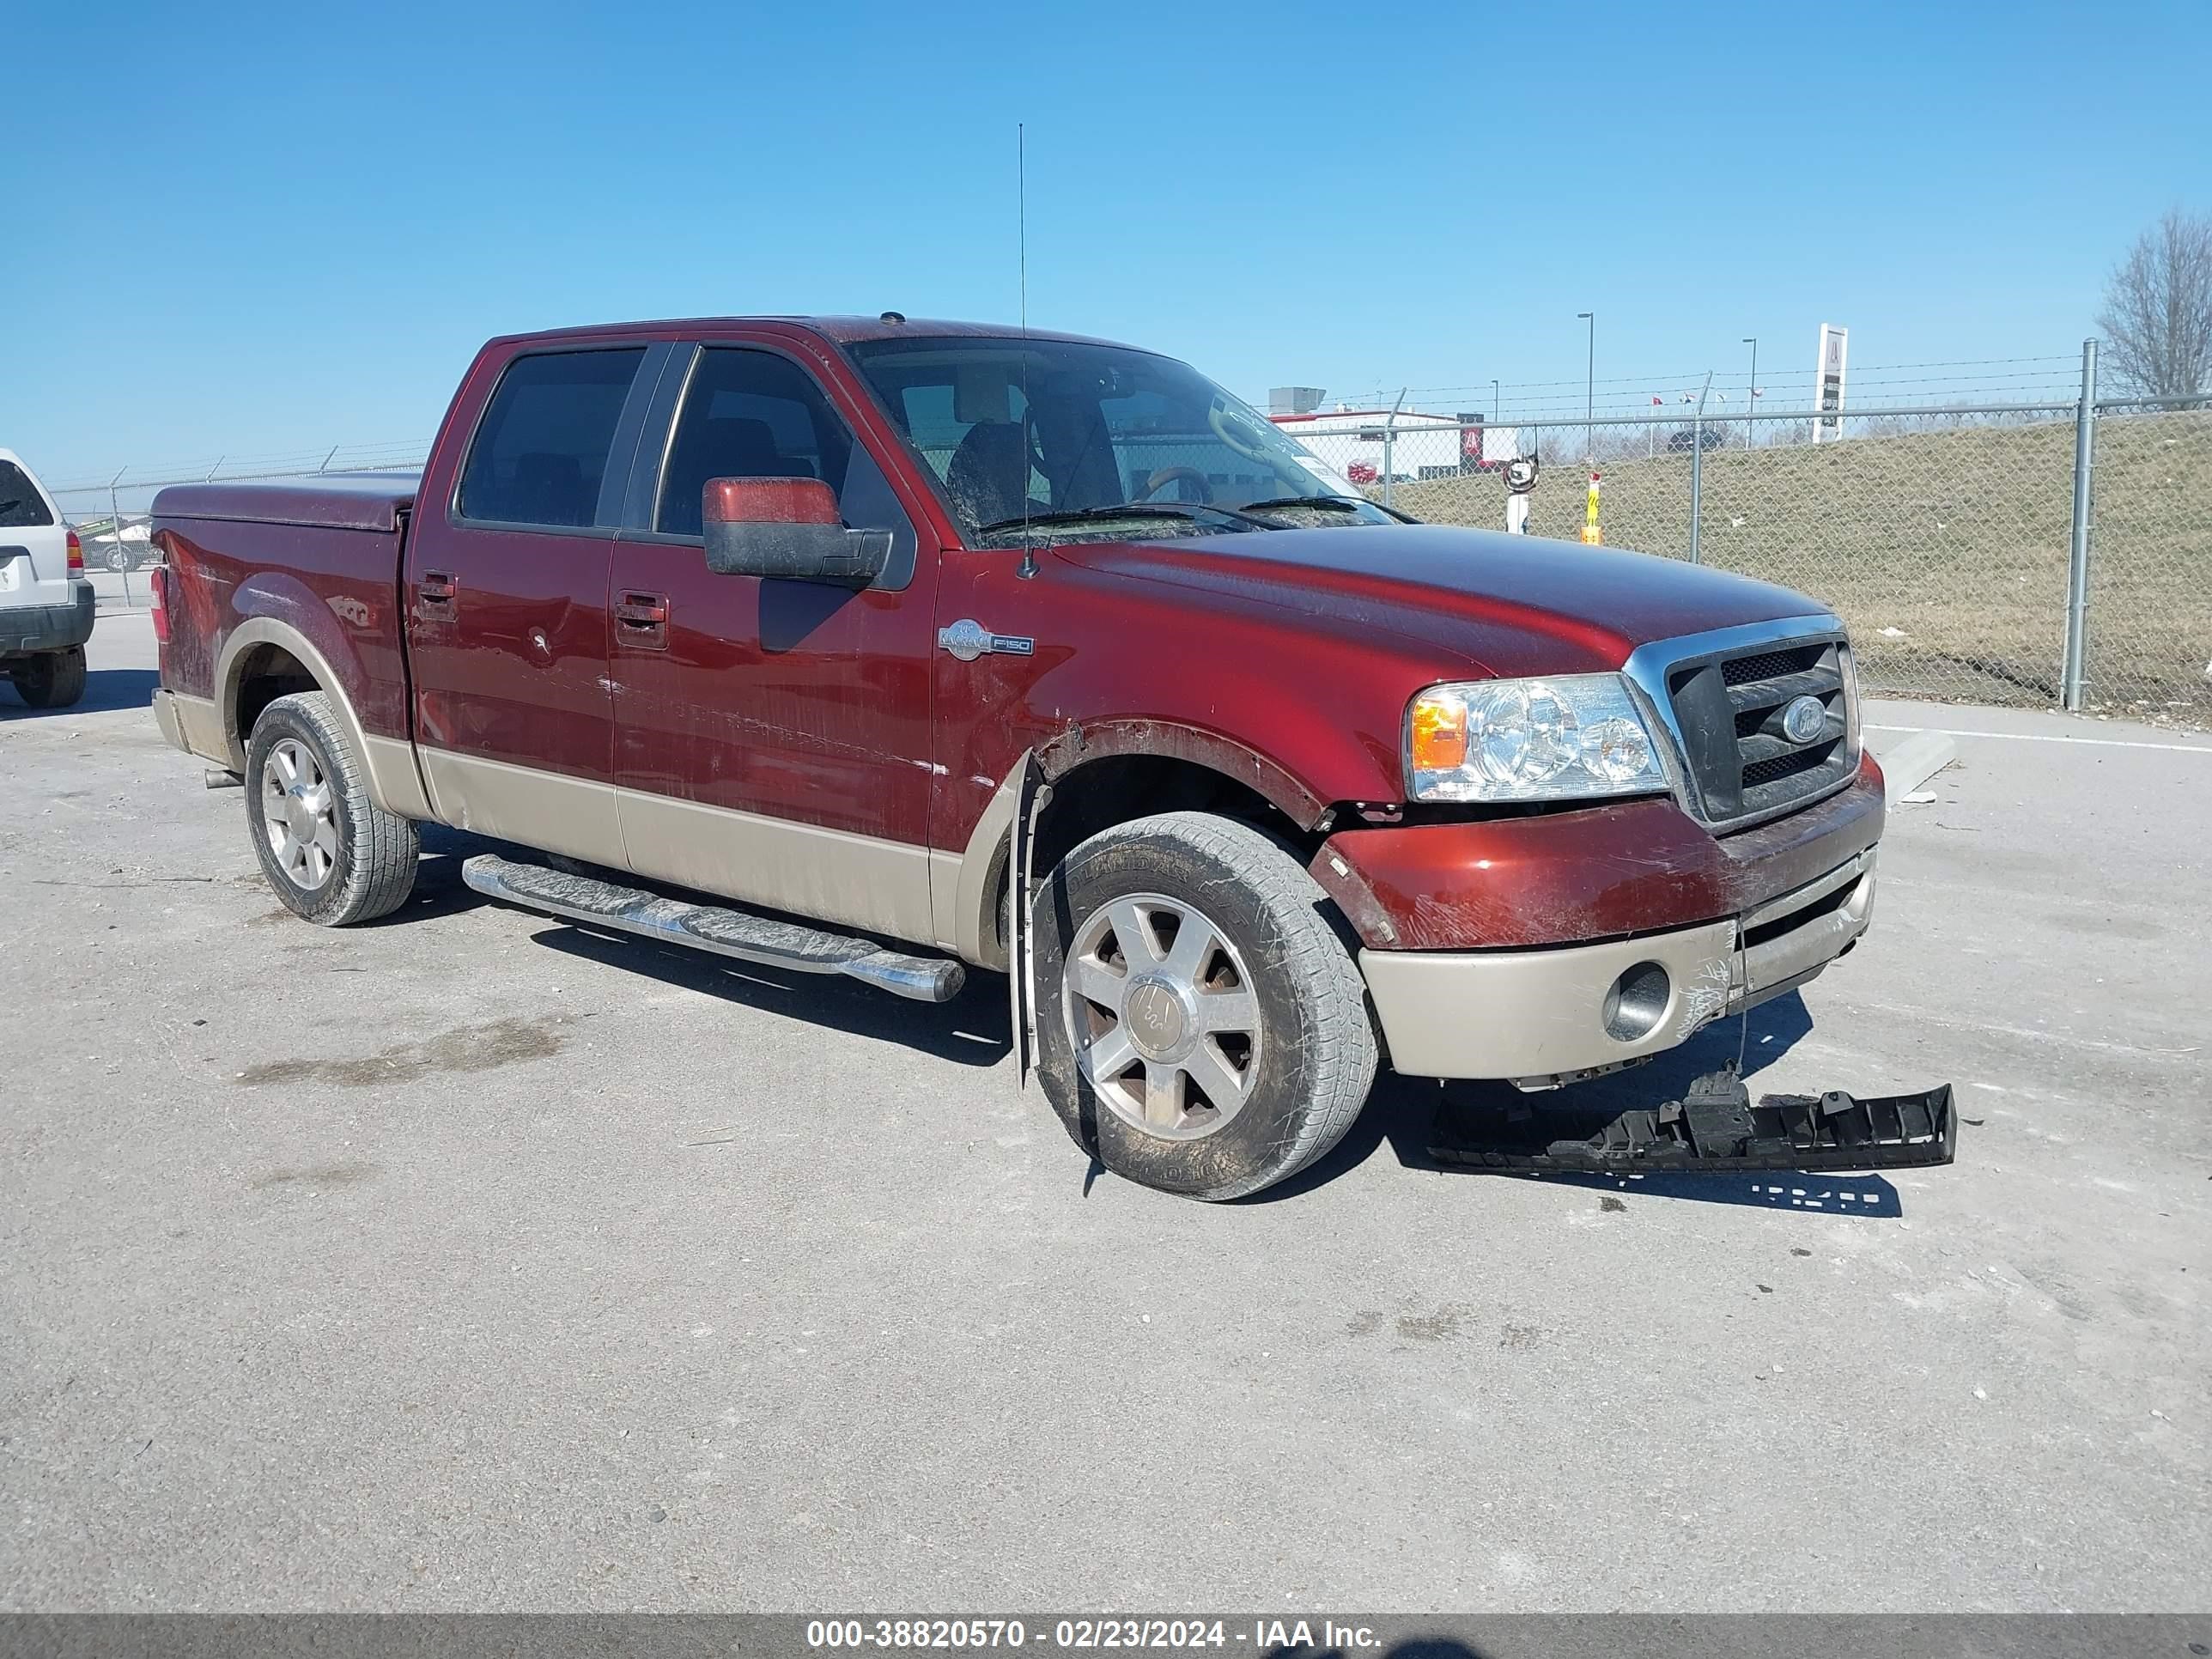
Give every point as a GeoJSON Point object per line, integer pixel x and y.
{"type": "Point", "coordinates": [541, 451]}
{"type": "Point", "coordinates": [21, 507]}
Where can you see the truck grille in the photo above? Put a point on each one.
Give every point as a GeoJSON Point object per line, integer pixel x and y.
{"type": "Point", "coordinates": [1729, 709]}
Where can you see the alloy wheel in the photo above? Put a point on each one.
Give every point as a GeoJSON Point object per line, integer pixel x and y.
{"type": "Point", "coordinates": [1162, 1015]}
{"type": "Point", "coordinates": [299, 814]}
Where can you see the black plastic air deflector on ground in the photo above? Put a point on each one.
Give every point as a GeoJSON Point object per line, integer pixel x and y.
{"type": "Point", "coordinates": [1714, 1127]}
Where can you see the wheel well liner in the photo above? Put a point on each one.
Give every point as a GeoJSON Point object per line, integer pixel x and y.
{"type": "Point", "coordinates": [263, 673]}
{"type": "Point", "coordinates": [1099, 791]}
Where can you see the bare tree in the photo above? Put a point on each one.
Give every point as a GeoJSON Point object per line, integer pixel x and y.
{"type": "Point", "coordinates": [2157, 319]}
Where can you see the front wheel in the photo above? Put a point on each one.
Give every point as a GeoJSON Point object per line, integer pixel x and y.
{"type": "Point", "coordinates": [1201, 1027]}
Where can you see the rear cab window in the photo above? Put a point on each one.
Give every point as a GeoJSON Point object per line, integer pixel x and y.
{"type": "Point", "coordinates": [541, 451]}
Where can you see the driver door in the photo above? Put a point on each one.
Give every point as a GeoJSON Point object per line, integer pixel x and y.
{"type": "Point", "coordinates": [772, 737]}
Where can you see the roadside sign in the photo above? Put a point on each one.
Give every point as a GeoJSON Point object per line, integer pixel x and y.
{"type": "Point", "coordinates": [1835, 344]}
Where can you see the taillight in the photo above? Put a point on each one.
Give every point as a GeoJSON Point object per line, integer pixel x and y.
{"type": "Point", "coordinates": [75, 555]}
{"type": "Point", "coordinates": [161, 611]}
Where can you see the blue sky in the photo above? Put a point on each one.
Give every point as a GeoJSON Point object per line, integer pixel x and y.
{"type": "Point", "coordinates": [259, 230]}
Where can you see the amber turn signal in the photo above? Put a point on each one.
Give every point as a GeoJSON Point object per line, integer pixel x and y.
{"type": "Point", "coordinates": [1439, 734]}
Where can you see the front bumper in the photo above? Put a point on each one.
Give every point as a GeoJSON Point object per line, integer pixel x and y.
{"type": "Point", "coordinates": [1598, 871]}
{"type": "Point", "coordinates": [37, 628]}
{"type": "Point", "coordinates": [1546, 1016]}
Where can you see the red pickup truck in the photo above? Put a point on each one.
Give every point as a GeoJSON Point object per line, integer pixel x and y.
{"type": "Point", "coordinates": [842, 643]}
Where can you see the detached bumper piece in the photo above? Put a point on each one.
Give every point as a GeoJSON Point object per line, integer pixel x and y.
{"type": "Point", "coordinates": [712, 928]}
{"type": "Point", "coordinates": [1715, 1127]}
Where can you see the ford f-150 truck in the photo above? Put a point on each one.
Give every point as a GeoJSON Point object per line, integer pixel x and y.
{"type": "Point", "coordinates": [889, 648]}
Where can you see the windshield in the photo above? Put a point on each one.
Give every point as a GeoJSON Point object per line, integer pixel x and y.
{"type": "Point", "coordinates": [1051, 428]}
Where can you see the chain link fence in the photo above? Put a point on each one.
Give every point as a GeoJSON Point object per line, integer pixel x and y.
{"type": "Point", "coordinates": [1942, 538]}
{"type": "Point", "coordinates": [2149, 615]}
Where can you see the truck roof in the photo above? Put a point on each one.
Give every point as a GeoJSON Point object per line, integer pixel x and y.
{"type": "Point", "coordinates": [375, 500]}
{"type": "Point", "coordinates": [842, 331]}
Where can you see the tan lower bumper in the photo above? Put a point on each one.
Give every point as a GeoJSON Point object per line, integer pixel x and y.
{"type": "Point", "coordinates": [164, 716]}
{"type": "Point", "coordinates": [1541, 1016]}
{"type": "Point", "coordinates": [192, 724]}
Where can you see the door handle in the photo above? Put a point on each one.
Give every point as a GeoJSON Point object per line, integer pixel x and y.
{"type": "Point", "coordinates": [641, 620]}
{"type": "Point", "coordinates": [436, 587]}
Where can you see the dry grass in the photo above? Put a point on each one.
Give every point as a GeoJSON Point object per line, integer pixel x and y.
{"type": "Point", "coordinates": [1945, 552]}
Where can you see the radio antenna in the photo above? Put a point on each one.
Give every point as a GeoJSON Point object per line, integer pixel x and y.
{"type": "Point", "coordinates": [1022, 218]}
{"type": "Point", "coordinates": [1028, 567]}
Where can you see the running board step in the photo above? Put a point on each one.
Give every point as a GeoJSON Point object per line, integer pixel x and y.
{"type": "Point", "coordinates": [710, 928]}
{"type": "Point", "coordinates": [1715, 1127]}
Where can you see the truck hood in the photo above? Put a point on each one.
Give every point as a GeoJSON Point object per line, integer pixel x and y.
{"type": "Point", "coordinates": [1505, 604]}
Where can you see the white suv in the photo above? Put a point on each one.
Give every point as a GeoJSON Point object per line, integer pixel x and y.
{"type": "Point", "coordinates": [45, 602]}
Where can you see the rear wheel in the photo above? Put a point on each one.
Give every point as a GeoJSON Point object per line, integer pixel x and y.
{"type": "Point", "coordinates": [1201, 1025]}
{"type": "Point", "coordinates": [53, 680]}
{"type": "Point", "coordinates": [329, 852]}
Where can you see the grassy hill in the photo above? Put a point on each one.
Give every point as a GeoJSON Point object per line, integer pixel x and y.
{"type": "Point", "coordinates": [1945, 551]}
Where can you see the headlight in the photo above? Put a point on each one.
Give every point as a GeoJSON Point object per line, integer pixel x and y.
{"type": "Point", "coordinates": [1562, 739]}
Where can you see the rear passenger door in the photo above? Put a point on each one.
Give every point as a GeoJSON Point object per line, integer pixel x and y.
{"type": "Point", "coordinates": [506, 590]}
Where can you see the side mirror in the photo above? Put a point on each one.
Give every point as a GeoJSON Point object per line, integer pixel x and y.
{"type": "Point", "coordinates": [787, 528]}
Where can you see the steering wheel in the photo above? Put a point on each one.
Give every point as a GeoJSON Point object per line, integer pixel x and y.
{"type": "Point", "coordinates": [1168, 475]}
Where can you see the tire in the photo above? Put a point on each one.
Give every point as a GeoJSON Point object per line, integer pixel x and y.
{"type": "Point", "coordinates": [1298, 1080]}
{"type": "Point", "coordinates": [336, 857]}
{"type": "Point", "coordinates": [118, 559]}
{"type": "Point", "coordinates": [53, 680]}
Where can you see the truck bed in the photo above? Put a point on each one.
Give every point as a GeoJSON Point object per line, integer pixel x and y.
{"type": "Point", "coordinates": [350, 501]}
{"type": "Point", "coordinates": [313, 559]}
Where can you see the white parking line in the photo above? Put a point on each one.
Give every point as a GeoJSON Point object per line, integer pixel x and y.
{"type": "Point", "coordinates": [1906, 1011]}
{"type": "Point", "coordinates": [2036, 736]}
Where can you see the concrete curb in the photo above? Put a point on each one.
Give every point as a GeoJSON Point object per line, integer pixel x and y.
{"type": "Point", "coordinates": [1906, 765]}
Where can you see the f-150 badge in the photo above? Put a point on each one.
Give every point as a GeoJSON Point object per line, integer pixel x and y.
{"type": "Point", "coordinates": [969, 639]}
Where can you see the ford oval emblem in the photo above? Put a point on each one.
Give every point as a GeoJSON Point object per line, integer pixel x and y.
{"type": "Point", "coordinates": [1804, 720]}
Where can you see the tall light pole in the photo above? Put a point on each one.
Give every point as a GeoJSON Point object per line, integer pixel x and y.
{"type": "Point", "coordinates": [1751, 403]}
{"type": "Point", "coordinates": [1590, 389]}
{"type": "Point", "coordinates": [1493, 403]}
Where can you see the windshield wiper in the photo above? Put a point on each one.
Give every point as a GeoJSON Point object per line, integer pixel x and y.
{"type": "Point", "coordinates": [1328, 503]}
{"type": "Point", "coordinates": [1122, 510]}
{"type": "Point", "coordinates": [1336, 503]}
